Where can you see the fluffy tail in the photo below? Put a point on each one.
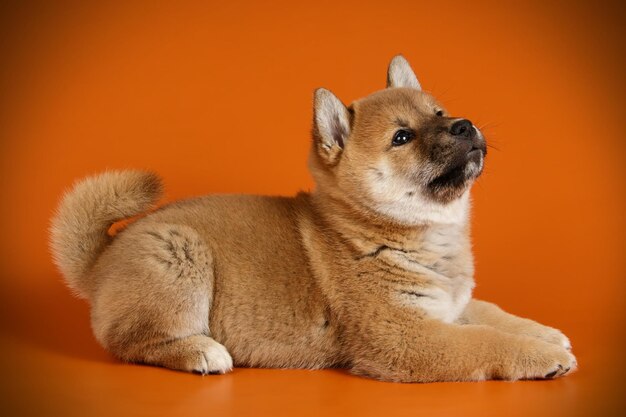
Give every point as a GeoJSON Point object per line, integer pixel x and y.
{"type": "Point", "coordinates": [79, 231]}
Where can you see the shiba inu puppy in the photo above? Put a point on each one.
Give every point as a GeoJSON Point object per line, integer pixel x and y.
{"type": "Point", "coordinates": [372, 271]}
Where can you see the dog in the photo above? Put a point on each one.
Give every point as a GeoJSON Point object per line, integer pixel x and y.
{"type": "Point", "coordinates": [372, 271]}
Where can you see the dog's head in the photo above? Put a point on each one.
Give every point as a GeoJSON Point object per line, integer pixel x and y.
{"type": "Point", "coordinates": [396, 152]}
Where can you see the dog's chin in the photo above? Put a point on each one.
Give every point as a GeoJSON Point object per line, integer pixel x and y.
{"type": "Point", "coordinates": [456, 178]}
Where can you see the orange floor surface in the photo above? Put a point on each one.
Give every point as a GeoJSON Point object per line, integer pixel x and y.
{"type": "Point", "coordinates": [216, 97]}
{"type": "Point", "coordinates": [53, 367]}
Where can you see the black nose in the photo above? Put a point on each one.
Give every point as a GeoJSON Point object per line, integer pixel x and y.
{"type": "Point", "coordinates": [462, 128]}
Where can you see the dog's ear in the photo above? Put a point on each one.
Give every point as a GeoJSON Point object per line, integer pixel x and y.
{"type": "Point", "coordinates": [331, 125]}
{"type": "Point", "coordinates": [400, 74]}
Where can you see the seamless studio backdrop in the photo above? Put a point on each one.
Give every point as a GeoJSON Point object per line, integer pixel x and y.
{"type": "Point", "coordinates": [216, 97]}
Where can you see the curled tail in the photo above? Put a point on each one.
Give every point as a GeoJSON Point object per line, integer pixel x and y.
{"type": "Point", "coordinates": [79, 230]}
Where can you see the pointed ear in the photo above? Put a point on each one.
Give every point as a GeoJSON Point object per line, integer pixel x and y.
{"type": "Point", "coordinates": [400, 74]}
{"type": "Point", "coordinates": [331, 124]}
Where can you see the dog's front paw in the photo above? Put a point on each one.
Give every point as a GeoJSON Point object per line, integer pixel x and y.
{"type": "Point", "coordinates": [556, 337]}
{"type": "Point", "coordinates": [547, 334]}
{"type": "Point", "coordinates": [538, 359]}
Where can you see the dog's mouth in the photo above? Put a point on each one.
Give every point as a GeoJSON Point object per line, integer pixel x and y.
{"type": "Point", "coordinates": [456, 176]}
{"type": "Point", "coordinates": [477, 150]}
{"type": "Point", "coordinates": [452, 178]}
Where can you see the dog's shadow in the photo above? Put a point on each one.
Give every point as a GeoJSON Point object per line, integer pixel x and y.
{"type": "Point", "coordinates": [48, 316]}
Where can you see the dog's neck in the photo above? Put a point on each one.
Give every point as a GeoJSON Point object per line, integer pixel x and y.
{"type": "Point", "coordinates": [367, 230]}
{"type": "Point", "coordinates": [416, 210]}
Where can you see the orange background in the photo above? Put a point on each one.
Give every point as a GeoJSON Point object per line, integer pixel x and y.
{"type": "Point", "coordinates": [216, 97]}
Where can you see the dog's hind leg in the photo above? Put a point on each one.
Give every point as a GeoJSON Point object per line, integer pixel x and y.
{"type": "Point", "coordinates": [155, 287]}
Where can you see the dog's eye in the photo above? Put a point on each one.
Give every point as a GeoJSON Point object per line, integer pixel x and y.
{"type": "Point", "coordinates": [402, 136]}
{"type": "Point", "coordinates": [439, 113]}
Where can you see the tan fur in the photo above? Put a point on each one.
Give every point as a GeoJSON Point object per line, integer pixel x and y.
{"type": "Point", "coordinates": [373, 271]}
